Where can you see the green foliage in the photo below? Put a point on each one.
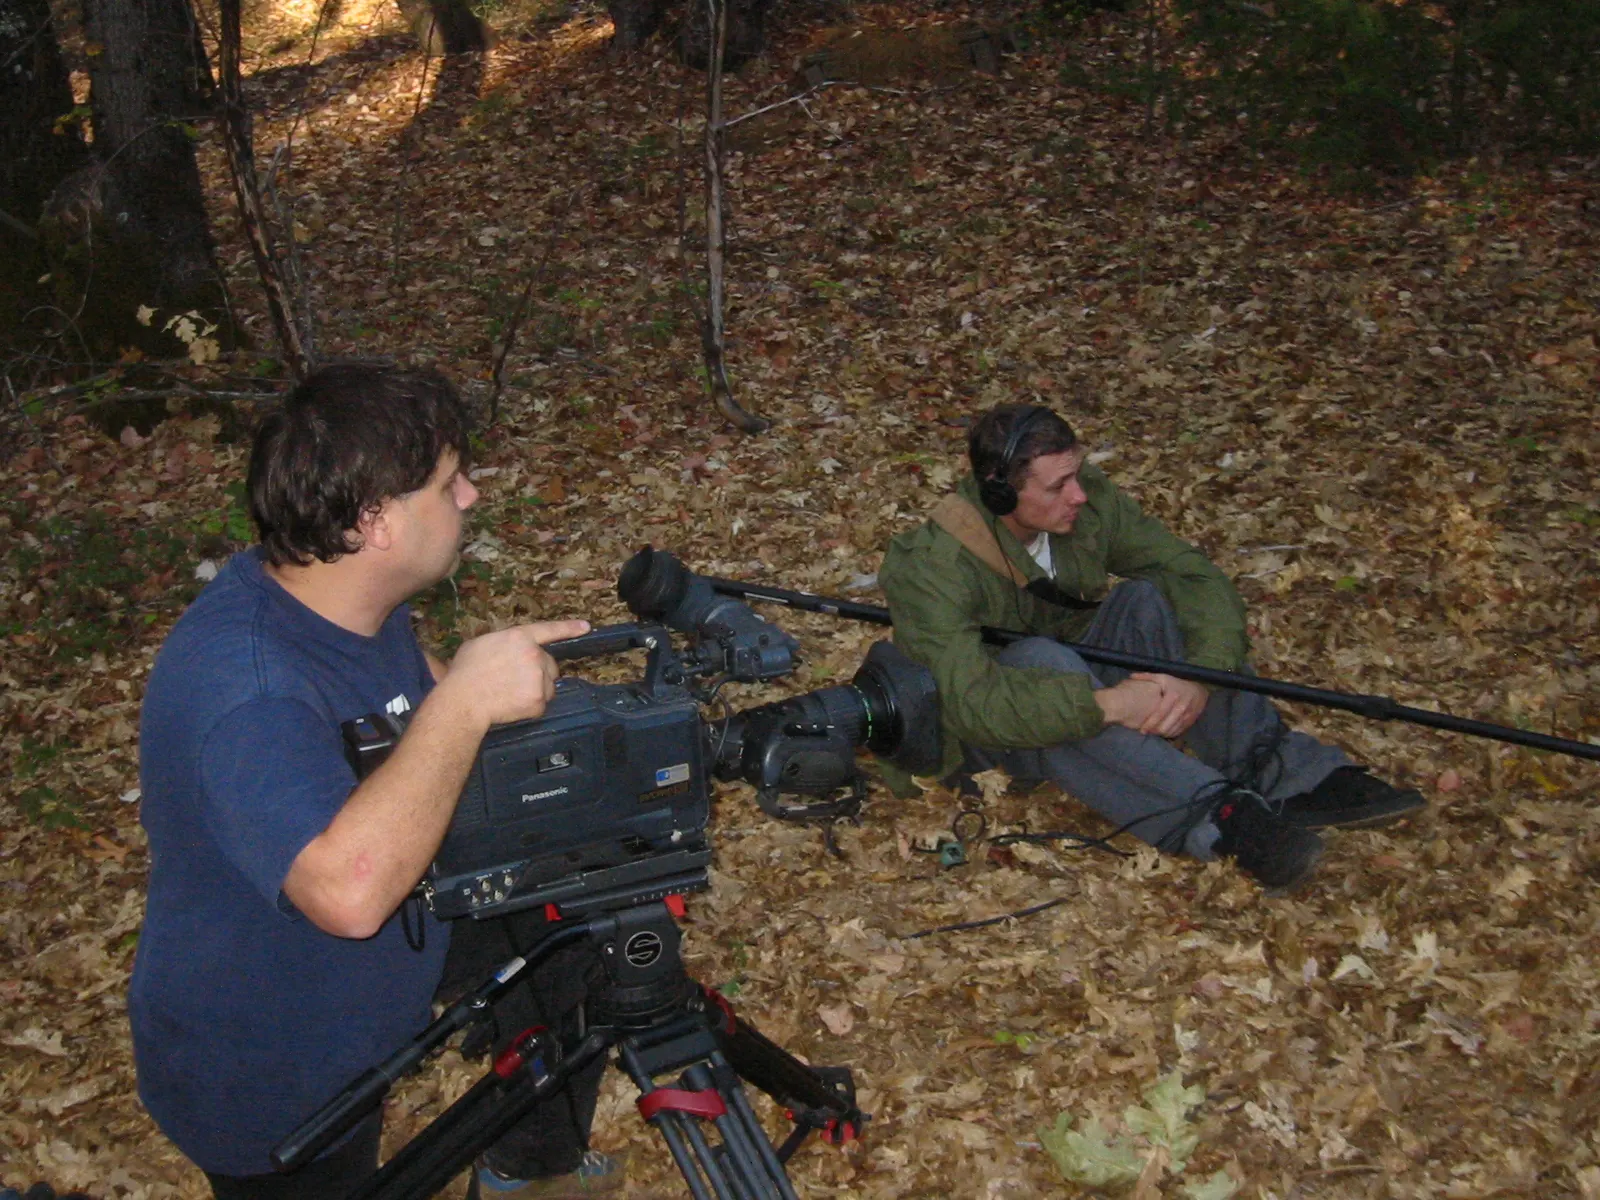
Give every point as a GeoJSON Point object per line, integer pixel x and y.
{"type": "Point", "coordinates": [232, 523]}
{"type": "Point", "coordinates": [1089, 1157]}
{"type": "Point", "coordinates": [1542, 58]}
{"type": "Point", "coordinates": [87, 583]}
{"type": "Point", "coordinates": [1092, 1157]}
{"type": "Point", "coordinates": [1164, 1122]}
{"type": "Point", "coordinates": [42, 805]}
{"type": "Point", "coordinates": [1367, 88]}
{"type": "Point", "coordinates": [1350, 83]}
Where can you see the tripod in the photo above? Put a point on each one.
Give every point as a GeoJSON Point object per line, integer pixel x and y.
{"type": "Point", "coordinates": [662, 1024]}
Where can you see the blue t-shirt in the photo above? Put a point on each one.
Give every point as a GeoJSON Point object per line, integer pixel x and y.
{"type": "Point", "coordinates": [247, 1017]}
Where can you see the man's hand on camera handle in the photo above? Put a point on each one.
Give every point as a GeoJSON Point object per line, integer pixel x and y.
{"type": "Point", "coordinates": [356, 872]}
{"type": "Point", "coordinates": [508, 675]}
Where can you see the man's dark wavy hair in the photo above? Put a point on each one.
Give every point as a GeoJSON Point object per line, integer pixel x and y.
{"type": "Point", "coordinates": [986, 441]}
{"type": "Point", "coordinates": [346, 439]}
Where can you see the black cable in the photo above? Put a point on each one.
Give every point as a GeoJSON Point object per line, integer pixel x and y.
{"type": "Point", "coordinates": [1080, 841]}
{"type": "Point", "coordinates": [955, 832]}
{"type": "Point", "coordinates": [1199, 806]}
{"type": "Point", "coordinates": [417, 938]}
{"type": "Point", "coordinates": [1010, 916]}
{"type": "Point", "coordinates": [1264, 753]}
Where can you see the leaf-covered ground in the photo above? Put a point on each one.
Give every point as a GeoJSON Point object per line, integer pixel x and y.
{"type": "Point", "coordinates": [1377, 413]}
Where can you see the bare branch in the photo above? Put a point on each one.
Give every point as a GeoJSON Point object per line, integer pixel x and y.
{"type": "Point", "coordinates": [712, 333]}
{"type": "Point", "coordinates": [241, 163]}
{"type": "Point", "coordinates": [17, 226]}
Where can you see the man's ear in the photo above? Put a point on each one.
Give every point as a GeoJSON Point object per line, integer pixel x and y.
{"type": "Point", "coordinates": [375, 528]}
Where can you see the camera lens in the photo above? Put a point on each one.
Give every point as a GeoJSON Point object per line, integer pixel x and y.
{"type": "Point", "coordinates": [891, 707]}
{"type": "Point", "coordinates": [902, 709]}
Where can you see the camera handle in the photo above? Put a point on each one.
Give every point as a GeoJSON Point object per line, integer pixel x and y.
{"type": "Point", "coordinates": [662, 1024]}
{"type": "Point", "coordinates": [663, 668]}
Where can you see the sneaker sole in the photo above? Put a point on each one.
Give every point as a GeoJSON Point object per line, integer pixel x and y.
{"type": "Point", "coordinates": [1371, 821]}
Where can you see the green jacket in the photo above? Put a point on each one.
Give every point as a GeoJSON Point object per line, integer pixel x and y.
{"type": "Point", "coordinates": [940, 594]}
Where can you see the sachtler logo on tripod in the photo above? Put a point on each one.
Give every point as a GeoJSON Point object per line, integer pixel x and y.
{"type": "Point", "coordinates": [643, 949]}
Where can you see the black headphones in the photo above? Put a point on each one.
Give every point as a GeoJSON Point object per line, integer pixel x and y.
{"type": "Point", "coordinates": [995, 489]}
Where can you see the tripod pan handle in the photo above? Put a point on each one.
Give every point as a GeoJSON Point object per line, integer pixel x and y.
{"type": "Point", "coordinates": [318, 1131]}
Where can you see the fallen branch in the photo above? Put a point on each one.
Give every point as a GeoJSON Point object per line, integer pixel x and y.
{"type": "Point", "coordinates": [17, 227]}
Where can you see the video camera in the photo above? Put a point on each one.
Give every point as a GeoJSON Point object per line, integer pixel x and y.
{"type": "Point", "coordinates": [603, 802]}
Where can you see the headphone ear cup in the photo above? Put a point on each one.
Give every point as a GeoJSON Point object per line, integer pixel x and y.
{"type": "Point", "coordinates": [998, 496]}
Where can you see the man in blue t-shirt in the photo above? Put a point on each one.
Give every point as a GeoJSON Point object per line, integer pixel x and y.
{"type": "Point", "coordinates": [276, 962]}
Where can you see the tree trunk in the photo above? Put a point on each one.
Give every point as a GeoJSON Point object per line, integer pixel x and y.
{"type": "Point", "coordinates": [34, 93]}
{"type": "Point", "coordinates": [34, 157]}
{"type": "Point", "coordinates": [633, 21]}
{"type": "Point", "coordinates": [147, 86]}
{"type": "Point", "coordinates": [445, 26]}
{"type": "Point", "coordinates": [712, 332]}
{"type": "Point", "coordinates": [237, 140]}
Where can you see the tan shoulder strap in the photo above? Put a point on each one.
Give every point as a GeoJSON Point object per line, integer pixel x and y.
{"type": "Point", "coordinates": [958, 517]}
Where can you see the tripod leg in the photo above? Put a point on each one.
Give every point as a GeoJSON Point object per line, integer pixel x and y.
{"type": "Point", "coordinates": [783, 1076]}
{"type": "Point", "coordinates": [670, 1126]}
{"type": "Point", "coordinates": [473, 1124]}
{"type": "Point", "coordinates": [693, 1154]}
{"type": "Point", "coordinates": [822, 1098]}
{"type": "Point", "coordinates": [745, 1141]}
{"type": "Point", "coordinates": [728, 1185]}
{"type": "Point", "coordinates": [733, 1091]}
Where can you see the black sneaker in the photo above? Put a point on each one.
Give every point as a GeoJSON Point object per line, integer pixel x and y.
{"type": "Point", "coordinates": [1279, 855]}
{"type": "Point", "coordinates": [1351, 799]}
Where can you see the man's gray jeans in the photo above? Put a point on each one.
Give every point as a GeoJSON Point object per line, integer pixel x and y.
{"type": "Point", "coordinates": [1145, 782]}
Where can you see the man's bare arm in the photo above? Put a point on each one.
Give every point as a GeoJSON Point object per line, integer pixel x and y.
{"type": "Point", "coordinates": [352, 876]}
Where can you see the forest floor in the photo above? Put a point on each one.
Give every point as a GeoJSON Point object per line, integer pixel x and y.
{"type": "Point", "coordinates": [1377, 413]}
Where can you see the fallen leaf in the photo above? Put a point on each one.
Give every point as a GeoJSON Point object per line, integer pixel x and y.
{"type": "Point", "coordinates": [839, 1018]}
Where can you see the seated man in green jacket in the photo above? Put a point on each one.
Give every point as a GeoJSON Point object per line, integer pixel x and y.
{"type": "Point", "coordinates": [1028, 542]}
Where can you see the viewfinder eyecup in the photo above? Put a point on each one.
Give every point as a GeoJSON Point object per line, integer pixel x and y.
{"type": "Point", "coordinates": [652, 584]}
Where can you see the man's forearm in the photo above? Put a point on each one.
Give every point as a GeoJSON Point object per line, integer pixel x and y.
{"type": "Point", "coordinates": [353, 875]}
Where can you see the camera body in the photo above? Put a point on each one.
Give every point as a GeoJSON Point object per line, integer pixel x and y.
{"type": "Point", "coordinates": [603, 801]}
{"type": "Point", "coordinates": [605, 795]}
{"type": "Point", "coordinates": [609, 776]}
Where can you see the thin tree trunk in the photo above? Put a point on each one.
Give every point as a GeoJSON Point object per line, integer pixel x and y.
{"type": "Point", "coordinates": [712, 330]}
{"type": "Point", "coordinates": [247, 189]}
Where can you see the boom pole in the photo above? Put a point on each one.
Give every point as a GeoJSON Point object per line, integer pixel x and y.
{"type": "Point", "coordinates": [1376, 708]}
